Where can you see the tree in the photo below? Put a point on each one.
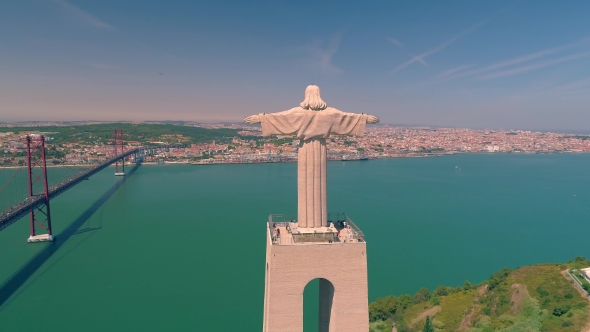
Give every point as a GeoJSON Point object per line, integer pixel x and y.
{"type": "Point", "coordinates": [441, 291]}
{"type": "Point", "coordinates": [497, 278]}
{"type": "Point", "coordinates": [405, 301]}
{"type": "Point", "coordinates": [428, 325]}
{"type": "Point", "coordinates": [383, 308]}
{"type": "Point", "coordinates": [422, 295]}
{"type": "Point", "coordinates": [560, 310]}
{"type": "Point", "coordinates": [467, 285]}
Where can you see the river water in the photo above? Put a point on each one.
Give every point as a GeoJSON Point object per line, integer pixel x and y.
{"type": "Point", "coordinates": [180, 247]}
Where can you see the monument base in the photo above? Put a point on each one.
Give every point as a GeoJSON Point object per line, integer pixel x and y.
{"type": "Point", "coordinates": [341, 268]}
{"type": "Point", "coordinates": [41, 238]}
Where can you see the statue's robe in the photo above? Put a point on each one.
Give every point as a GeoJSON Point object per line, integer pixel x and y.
{"type": "Point", "coordinates": [312, 128]}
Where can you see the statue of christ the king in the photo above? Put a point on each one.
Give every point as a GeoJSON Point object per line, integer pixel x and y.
{"type": "Point", "coordinates": [312, 122]}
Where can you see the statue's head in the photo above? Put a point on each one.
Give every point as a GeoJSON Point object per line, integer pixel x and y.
{"type": "Point", "coordinates": [313, 101]}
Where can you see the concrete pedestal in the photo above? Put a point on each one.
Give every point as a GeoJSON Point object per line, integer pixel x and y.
{"type": "Point", "coordinates": [343, 296]}
{"type": "Point", "coordinates": [41, 238]}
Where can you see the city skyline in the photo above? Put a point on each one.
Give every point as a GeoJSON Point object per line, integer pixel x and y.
{"type": "Point", "coordinates": [502, 65]}
{"type": "Point", "coordinates": [246, 144]}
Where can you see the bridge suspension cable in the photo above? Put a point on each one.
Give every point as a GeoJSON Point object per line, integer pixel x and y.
{"type": "Point", "coordinates": [118, 149]}
{"type": "Point", "coordinates": [36, 202]}
{"type": "Point", "coordinates": [3, 187]}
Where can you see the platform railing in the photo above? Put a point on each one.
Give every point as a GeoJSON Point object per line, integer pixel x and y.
{"type": "Point", "coordinates": [289, 221]}
{"type": "Point", "coordinates": [289, 217]}
{"type": "Point", "coordinates": [358, 234]}
{"type": "Point", "coordinates": [323, 237]}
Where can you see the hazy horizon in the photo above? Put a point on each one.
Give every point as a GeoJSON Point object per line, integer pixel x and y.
{"type": "Point", "coordinates": [504, 64]}
{"type": "Point", "coordinates": [409, 125]}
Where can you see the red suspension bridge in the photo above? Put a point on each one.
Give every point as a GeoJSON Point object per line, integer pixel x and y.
{"type": "Point", "coordinates": [36, 204]}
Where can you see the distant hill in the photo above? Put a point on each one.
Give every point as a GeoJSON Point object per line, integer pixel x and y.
{"type": "Point", "coordinates": [103, 133]}
{"type": "Point", "coordinates": [528, 299]}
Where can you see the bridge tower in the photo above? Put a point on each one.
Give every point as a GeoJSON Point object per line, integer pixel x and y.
{"type": "Point", "coordinates": [37, 174]}
{"type": "Point", "coordinates": [118, 149]}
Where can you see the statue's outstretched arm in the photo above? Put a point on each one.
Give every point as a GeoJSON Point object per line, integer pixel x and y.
{"type": "Point", "coordinates": [252, 119]}
{"type": "Point", "coordinates": [372, 119]}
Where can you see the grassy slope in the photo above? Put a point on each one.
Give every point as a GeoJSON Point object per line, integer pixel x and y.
{"type": "Point", "coordinates": [454, 307]}
{"type": "Point", "coordinates": [551, 289]}
{"type": "Point", "coordinates": [524, 301]}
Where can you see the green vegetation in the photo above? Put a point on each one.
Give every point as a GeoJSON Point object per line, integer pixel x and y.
{"type": "Point", "coordinates": [584, 282]}
{"type": "Point", "coordinates": [422, 295]}
{"type": "Point", "coordinates": [281, 141]}
{"type": "Point", "coordinates": [103, 133]}
{"type": "Point", "coordinates": [498, 278]}
{"type": "Point", "coordinates": [381, 326]}
{"type": "Point", "coordinates": [428, 325]}
{"type": "Point", "coordinates": [527, 299]}
{"type": "Point", "coordinates": [454, 307]}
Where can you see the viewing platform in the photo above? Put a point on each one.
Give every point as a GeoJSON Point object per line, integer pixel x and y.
{"type": "Point", "coordinates": [284, 230]}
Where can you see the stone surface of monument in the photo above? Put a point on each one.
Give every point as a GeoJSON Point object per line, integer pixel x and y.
{"type": "Point", "coordinates": [314, 244]}
{"type": "Point", "coordinates": [312, 122]}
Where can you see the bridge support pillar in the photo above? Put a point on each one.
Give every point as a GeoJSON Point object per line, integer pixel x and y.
{"type": "Point", "coordinates": [40, 216]}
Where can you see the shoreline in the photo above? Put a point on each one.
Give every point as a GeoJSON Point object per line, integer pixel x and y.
{"type": "Point", "coordinates": [433, 155]}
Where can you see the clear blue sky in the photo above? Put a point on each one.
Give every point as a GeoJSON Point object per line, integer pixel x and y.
{"type": "Point", "coordinates": [492, 64]}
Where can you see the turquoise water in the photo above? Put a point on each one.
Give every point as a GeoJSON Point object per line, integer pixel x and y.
{"type": "Point", "coordinates": [179, 247]}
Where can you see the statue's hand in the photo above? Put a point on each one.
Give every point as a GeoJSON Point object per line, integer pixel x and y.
{"type": "Point", "coordinates": [252, 119]}
{"type": "Point", "coordinates": [372, 119]}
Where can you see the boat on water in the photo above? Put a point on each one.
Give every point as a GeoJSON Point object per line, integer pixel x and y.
{"type": "Point", "coordinates": [348, 158]}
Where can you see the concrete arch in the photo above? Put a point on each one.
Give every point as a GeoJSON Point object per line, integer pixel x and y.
{"type": "Point", "coordinates": [325, 301]}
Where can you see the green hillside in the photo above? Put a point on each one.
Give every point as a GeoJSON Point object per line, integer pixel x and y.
{"type": "Point", "coordinates": [531, 298]}
{"type": "Point", "coordinates": [103, 133]}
